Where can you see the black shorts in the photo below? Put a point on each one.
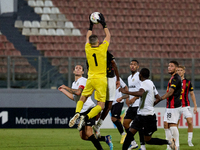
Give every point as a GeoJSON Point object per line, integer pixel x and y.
{"type": "Point", "coordinates": [90, 122]}
{"type": "Point", "coordinates": [147, 123]}
{"type": "Point", "coordinates": [116, 110]}
{"type": "Point", "coordinates": [131, 113]}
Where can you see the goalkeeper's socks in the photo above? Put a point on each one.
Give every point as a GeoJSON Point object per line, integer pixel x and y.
{"type": "Point", "coordinates": [94, 112]}
{"type": "Point", "coordinates": [95, 142]}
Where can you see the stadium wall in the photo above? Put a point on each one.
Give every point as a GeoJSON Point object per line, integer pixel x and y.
{"type": "Point", "coordinates": [23, 108]}
{"type": "Point", "coordinates": [48, 98]}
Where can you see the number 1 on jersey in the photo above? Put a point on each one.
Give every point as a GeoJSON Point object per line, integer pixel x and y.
{"type": "Point", "coordinates": [95, 59]}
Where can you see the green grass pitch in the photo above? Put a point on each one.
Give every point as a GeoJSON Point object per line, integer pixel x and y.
{"type": "Point", "coordinates": [68, 139]}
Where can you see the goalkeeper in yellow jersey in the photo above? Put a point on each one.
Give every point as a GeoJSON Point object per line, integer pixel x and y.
{"type": "Point", "coordinates": [96, 55]}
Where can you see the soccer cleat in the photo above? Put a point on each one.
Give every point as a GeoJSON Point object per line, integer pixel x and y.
{"type": "Point", "coordinates": [96, 132]}
{"type": "Point", "coordinates": [73, 120]}
{"type": "Point", "coordinates": [109, 142]}
{"type": "Point", "coordinates": [81, 122]}
{"type": "Point", "coordinates": [190, 143]}
{"type": "Point", "coordinates": [133, 145]}
{"type": "Point", "coordinates": [173, 145]}
{"type": "Point", "coordinates": [122, 138]}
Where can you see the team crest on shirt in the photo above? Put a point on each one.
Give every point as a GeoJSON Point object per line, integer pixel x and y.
{"type": "Point", "coordinates": [133, 79]}
{"type": "Point", "coordinates": [186, 84]}
{"type": "Point", "coordinates": [77, 83]}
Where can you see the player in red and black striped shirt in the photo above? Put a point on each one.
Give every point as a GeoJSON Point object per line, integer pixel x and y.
{"type": "Point", "coordinates": [173, 110]}
{"type": "Point", "coordinates": [186, 110]}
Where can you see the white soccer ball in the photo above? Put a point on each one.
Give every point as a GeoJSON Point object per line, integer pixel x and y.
{"type": "Point", "coordinates": [94, 16]}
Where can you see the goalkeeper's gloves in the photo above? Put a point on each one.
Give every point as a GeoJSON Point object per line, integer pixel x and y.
{"type": "Point", "coordinates": [91, 24]}
{"type": "Point", "coordinates": [102, 20]}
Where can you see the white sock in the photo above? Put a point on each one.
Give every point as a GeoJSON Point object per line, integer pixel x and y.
{"type": "Point", "coordinates": [133, 142]}
{"type": "Point", "coordinates": [143, 147]}
{"type": "Point", "coordinates": [190, 135]}
{"type": "Point", "coordinates": [99, 123]}
{"type": "Point", "coordinates": [123, 133]}
{"type": "Point", "coordinates": [168, 136]}
{"type": "Point", "coordinates": [175, 134]}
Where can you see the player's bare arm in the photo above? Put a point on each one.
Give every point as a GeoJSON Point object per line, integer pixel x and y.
{"type": "Point", "coordinates": [137, 94]}
{"type": "Point", "coordinates": [124, 96]}
{"type": "Point", "coordinates": [72, 91]}
{"type": "Point", "coordinates": [168, 94]}
{"type": "Point", "coordinates": [114, 65]}
{"type": "Point", "coordinates": [194, 101]}
{"type": "Point", "coordinates": [69, 95]}
{"type": "Point", "coordinates": [132, 100]}
{"type": "Point", "coordinates": [158, 99]}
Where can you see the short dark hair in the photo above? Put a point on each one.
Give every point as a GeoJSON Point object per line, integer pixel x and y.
{"type": "Point", "coordinates": [135, 61]}
{"type": "Point", "coordinates": [93, 39]}
{"type": "Point", "coordinates": [174, 62]}
{"type": "Point", "coordinates": [145, 73]}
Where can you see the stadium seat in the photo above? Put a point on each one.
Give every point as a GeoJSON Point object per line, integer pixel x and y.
{"type": "Point", "coordinates": [39, 3]}
{"type": "Point", "coordinates": [51, 32]}
{"type": "Point", "coordinates": [34, 31]}
{"type": "Point", "coordinates": [38, 10]}
{"type": "Point", "coordinates": [55, 62]}
{"type": "Point", "coordinates": [55, 10]}
{"type": "Point", "coordinates": [151, 26]}
{"type": "Point", "coordinates": [43, 31]}
{"type": "Point", "coordinates": [60, 24]}
{"type": "Point", "coordinates": [33, 39]}
{"type": "Point", "coordinates": [149, 40]}
{"type": "Point", "coordinates": [2, 46]}
{"type": "Point", "coordinates": [53, 17]}
{"type": "Point", "coordinates": [18, 24]}
{"type": "Point", "coordinates": [31, 3]}
{"type": "Point", "coordinates": [52, 24]}
{"type": "Point", "coordinates": [35, 24]}
{"type": "Point", "coordinates": [42, 39]}
{"type": "Point", "coordinates": [50, 39]}
{"type": "Point", "coordinates": [27, 24]}
{"type": "Point", "coordinates": [47, 10]}
{"type": "Point", "coordinates": [68, 31]}
{"type": "Point", "coordinates": [26, 31]}
{"type": "Point", "coordinates": [61, 17]}
{"type": "Point", "coordinates": [45, 17]}
{"type": "Point", "coordinates": [166, 40]}
{"type": "Point", "coordinates": [48, 3]}
{"type": "Point", "coordinates": [3, 39]}
{"type": "Point", "coordinates": [76, 32]}
{"type": "Point", "coordinates": [69, 24]}
{"type": "Point", "coordinates": [43, 24]}
{"type": "Point", "coordinates": [59, 39]}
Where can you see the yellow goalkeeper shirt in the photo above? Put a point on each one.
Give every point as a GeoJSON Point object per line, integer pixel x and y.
{"type": "Point", "coordinates": [97, 59]}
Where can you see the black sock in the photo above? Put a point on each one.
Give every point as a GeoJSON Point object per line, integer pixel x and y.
{"type": "Point", "coordinates": [102, 138]}
{"type": "Point", "coordinates": [119, 126]}
{"type": "Point", "coordinates": [141, 134]}
{"type": "Point", "coordinates": [127, 141]}
{"type": "Point", "coordinates": [95, 142]}
{"type": "Point", "coordinates": [127, 130]}
{"type": "Point", "coordinates": [157, 141]}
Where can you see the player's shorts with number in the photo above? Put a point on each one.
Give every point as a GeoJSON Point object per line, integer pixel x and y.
{"type": "Point", "coordinates": [172, 115]}
{"type": "Point", "coordinates": [100, 87]}
{"type": "Point", "coordinates": [186, 111]}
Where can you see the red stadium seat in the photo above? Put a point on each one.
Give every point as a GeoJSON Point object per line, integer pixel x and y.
{"type": "Point", "coordinates": [50, 39]}
{"type": "Point", "coordinates": [42, 39]}
{"type": "Point", "coordinates": [142, 33]}
{"type": "Point", "coordinates": [3, 39]}
{"type": "Point", "coordinates": [33, 39]}
{"type": "Point", "coordinates": [150, 33]}
{"type": "Point", "coordinates": [9, 46]}
{"type": "Point", "coordinates": [58, 39]}
{"type": "Point", "coordinates": [158, 40]}
{"type": "Point", "coordinates": [157, 48]}
{"type": "Point", "coordinates": [2, 46]}
{"type": "Point", "coordinates": [149, 40]}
